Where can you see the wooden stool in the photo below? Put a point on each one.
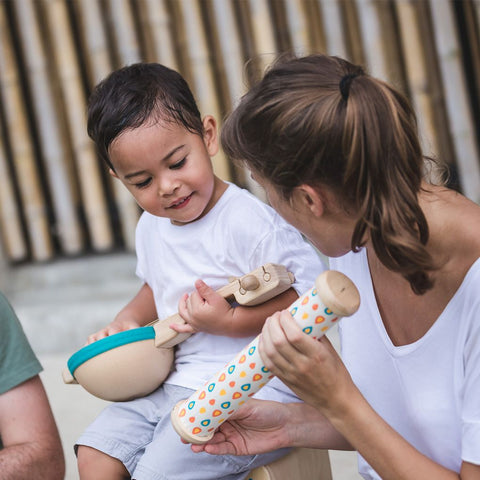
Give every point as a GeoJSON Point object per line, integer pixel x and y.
{"type": "Point", "coordinates": [299, 464]}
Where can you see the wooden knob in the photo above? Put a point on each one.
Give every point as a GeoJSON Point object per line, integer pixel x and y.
{"type": "Point", "coordinates": [249, 283]}
{"type": "Point", "coordinates": [338, 293]}
{"type": "Point", "coordinates": [68, 377]}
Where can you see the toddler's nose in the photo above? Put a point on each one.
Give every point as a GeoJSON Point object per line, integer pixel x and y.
{"type": "Point", "coordinates": [167, 187]}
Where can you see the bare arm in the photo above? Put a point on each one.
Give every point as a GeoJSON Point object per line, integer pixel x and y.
{"type": "Point", "coordinates": [315, 372]}
{"type": "Point", "coordinates": [388, 452]}
{"type": "Point", "coordinates": [32, 446]}
{"type": "Point", "coordinates": [137, 313]}
{"type": "Point", "coordinates": [207, 311]}
{"type": "Point", "coordinates": [261, 426]}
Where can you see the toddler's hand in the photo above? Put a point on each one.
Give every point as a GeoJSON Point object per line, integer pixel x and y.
{"type": "Point", "coordinates": [205, 310]}
{"type": "Point", "coordinates": [115, 327]}
{"type": "Point", "coordinates": [182, 307]}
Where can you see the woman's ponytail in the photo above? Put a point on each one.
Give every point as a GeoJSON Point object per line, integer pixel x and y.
{"type": "Point", "coordinates": [384, 167]}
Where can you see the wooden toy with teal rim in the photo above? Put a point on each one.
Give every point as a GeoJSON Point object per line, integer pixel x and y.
{"type": "Point", "coordinates": [135, 362]}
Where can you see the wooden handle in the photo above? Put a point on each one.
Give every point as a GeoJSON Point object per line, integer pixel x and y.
{"type": "Point", "coordinates": [251, 289]}
{"type": "Point", "coordinates": [165, 337]}
{"type": "Point", "coordinates": [68, 377]}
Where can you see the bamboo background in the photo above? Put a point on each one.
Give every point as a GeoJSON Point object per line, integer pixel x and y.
{"type": "Point", "coordinates": [56, 198]}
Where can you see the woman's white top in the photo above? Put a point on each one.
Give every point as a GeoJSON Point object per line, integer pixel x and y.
{"type": "Point", "coordinates": [428, 391]}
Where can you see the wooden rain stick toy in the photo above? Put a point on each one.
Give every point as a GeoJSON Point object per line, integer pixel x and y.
{"type": "Point", "coordinates": [196, 418]}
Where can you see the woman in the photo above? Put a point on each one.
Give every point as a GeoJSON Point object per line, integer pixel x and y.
{"type": "Point", "coordinates": [338, 154]}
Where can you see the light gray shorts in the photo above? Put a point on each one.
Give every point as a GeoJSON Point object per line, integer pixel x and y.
{"type": "Point", "coordinates": [140, 435]}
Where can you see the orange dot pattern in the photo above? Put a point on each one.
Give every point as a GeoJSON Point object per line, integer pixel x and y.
{"type": "Point", "coordinates": [245, 375]}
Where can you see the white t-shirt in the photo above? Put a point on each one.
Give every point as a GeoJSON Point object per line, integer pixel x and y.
{"type": "Point", "coordinates": [239, 234]}
{"type": "Point", "coordinates": [428, 391]}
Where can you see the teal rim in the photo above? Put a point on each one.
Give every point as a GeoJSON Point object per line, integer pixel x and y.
{"type": "Point", "coordinates": [107, 343]}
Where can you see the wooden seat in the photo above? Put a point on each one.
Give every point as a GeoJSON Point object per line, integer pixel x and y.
{"type": "Point", "coordinates": [299, 464]}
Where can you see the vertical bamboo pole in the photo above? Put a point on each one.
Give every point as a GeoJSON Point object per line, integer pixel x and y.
{"type": "Point", "coordinates": [124, 30]}
{"type": "Point", "coordinates": [352, 31]}
{"type": "Point", "coordinates": [13, 242]}
{"type": "Point", "coordinates": [472, 27]}
{"type": "Point", "coordinates": [100, 67]}
{"type": "Point", "coordinates": [334, 28]}
{"type": "Point", "coordinates": [92, 30]}
{"type": "Point", "coordinates": [417, 73]}
{"type": "Point", "coordinates": [21, 145]}
{"type": "Point", "coordinates": [231, 48]}
{"type": "Point", "coordinates": [263, 33]}
{"type": "Point", "coordinates": [313, 16]}
{"type": "Point", "coordinates": [446, 150]}
{"type": "Point", "coordinates": [298, 27]}
{"type": "Point", "coordinates": [373, 40]}
{"type": "Point", "coordinates": [47, 121]}
{"type": "Point", "coordinates": [75, 101]}
{"type": "Point", "coordinates": [202, 74]}
{"type": "Point", "coordinates": [456, 98]}
{"type": "Point", "coordinates": [232, 58]}
{"type": "Point", "coordinates": [161, 28]}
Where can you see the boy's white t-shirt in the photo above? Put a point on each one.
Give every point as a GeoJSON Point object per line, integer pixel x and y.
{"type": "Point", "coordinates": [428, 391]}
{"type": "Point", "coordinates": [239, 234]}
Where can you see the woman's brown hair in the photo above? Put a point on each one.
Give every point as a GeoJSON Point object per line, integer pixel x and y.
{"type": "Point", "coordinates": [320, 120]}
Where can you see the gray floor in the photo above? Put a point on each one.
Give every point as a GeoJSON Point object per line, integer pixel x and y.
{"type": "Point", "coordinates": [59, 304]}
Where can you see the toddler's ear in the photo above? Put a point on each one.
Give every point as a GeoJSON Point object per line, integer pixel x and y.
{"type": "Point", "coordinates": [112, 172]}
{"type": "Point", "coordinates": [210, 135]}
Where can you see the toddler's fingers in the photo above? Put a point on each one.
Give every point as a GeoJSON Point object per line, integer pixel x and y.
{"type": "Point", "coordinates": [183, 306]}
{"type": "Point", "coordinates": [185, 328]}
{"type": "Point", "coordinates": [204, 290]}
{"type": "Point", "coordinates": [96, 336]}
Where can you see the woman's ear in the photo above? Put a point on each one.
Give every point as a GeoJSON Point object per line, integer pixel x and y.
{"type": "Point", "coordinates": [210, 135]}
{"type": "Point", "coordinates": [311, 198]}
{"type": "Point", "coordinates": [111, 171]}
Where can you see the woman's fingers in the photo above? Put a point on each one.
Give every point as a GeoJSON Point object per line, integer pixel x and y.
{"type": "Point", "coordinates": [281, 343]}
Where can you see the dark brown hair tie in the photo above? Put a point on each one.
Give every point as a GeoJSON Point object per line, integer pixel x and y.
{"type": "Point", "coordinates": [344, 84]}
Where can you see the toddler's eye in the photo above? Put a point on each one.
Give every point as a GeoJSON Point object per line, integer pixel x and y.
{"type": "Point", "coordinates": [143, 184]}
{"type": "Point", "coordinates": [178, 165]}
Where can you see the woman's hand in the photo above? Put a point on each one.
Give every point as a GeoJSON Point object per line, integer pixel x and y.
{"type": "Point", "coordinates": [261, 426]}
{"type": "Point", "coordinates": [311, 368]}
{"type": "Point", "coordinates": [257, 427]}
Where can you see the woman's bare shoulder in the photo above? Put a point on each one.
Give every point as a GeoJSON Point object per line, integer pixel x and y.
{"type": "Point", "coordinates": [454, 223]}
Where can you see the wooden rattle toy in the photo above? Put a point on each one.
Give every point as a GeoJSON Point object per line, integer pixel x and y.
{"type": "Point", "coordinates": [134, 363]}
{"type": "Point", "coordinates": [196, 418]}
{"type": "Point", "coordinates": [120, 367]}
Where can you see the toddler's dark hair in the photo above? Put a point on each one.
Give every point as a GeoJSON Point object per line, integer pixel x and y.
{"type": "Point", "coordinates": [135, 94]}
